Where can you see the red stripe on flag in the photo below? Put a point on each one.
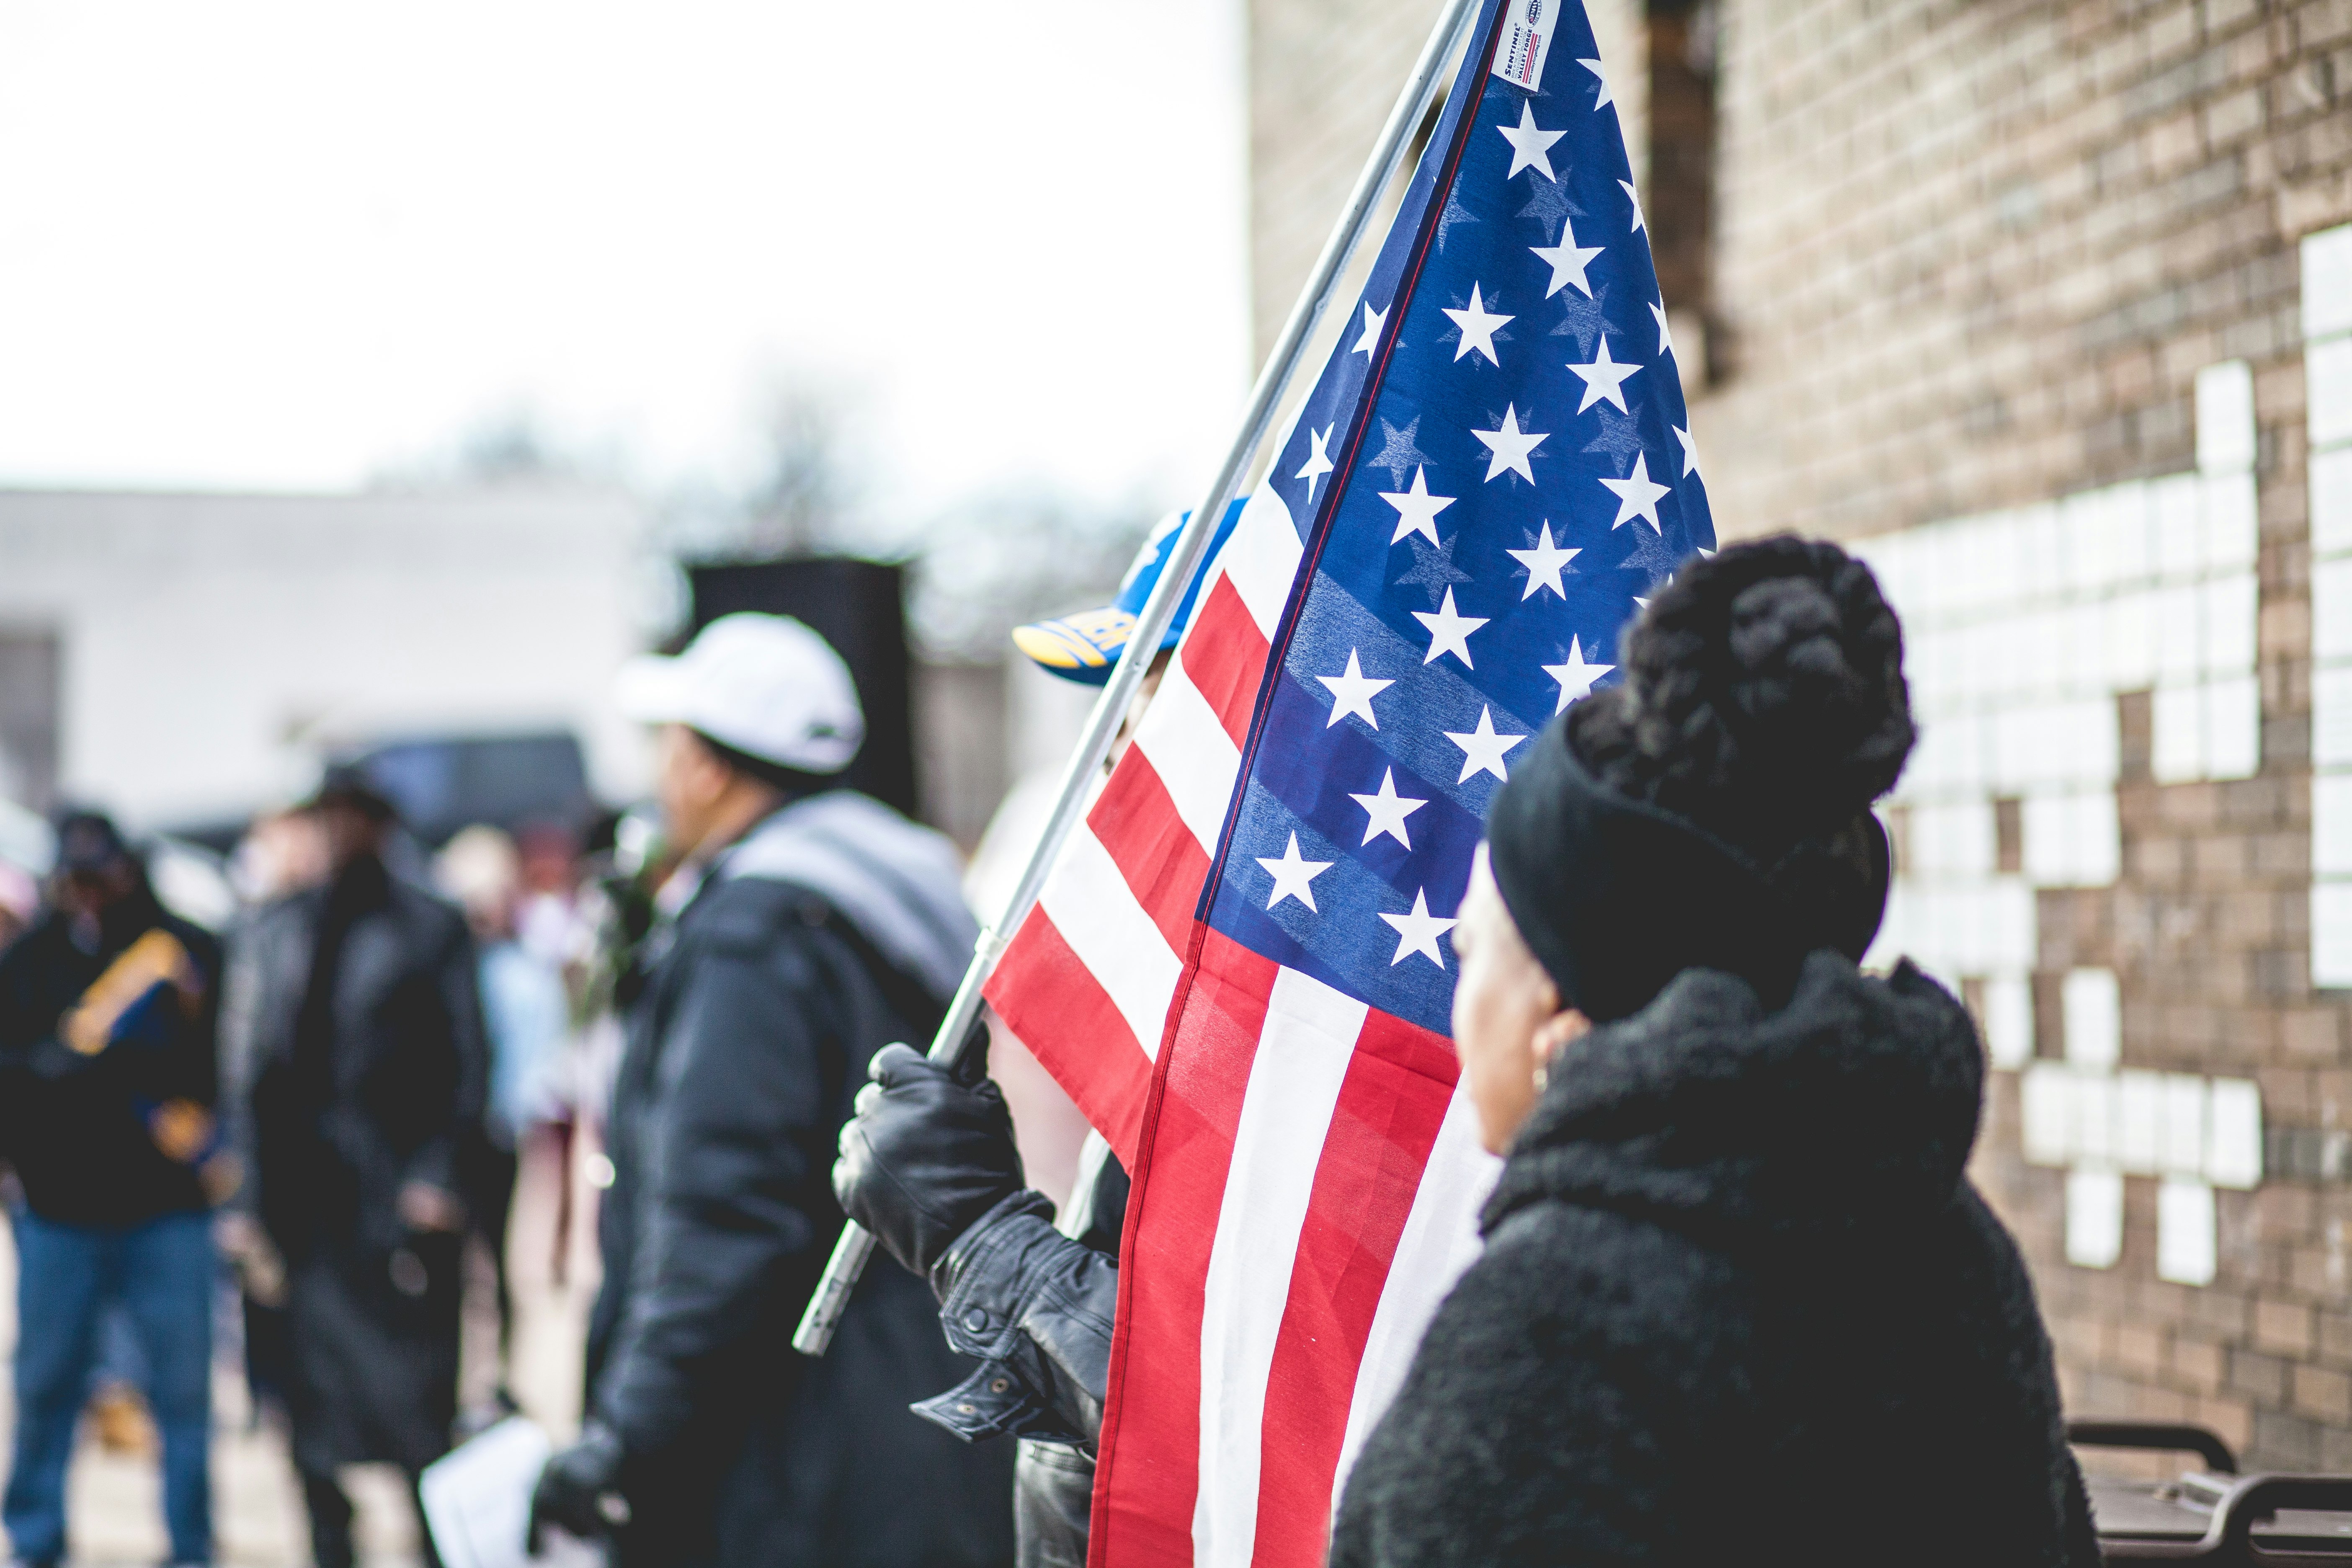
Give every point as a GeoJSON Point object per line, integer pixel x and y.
{"type": "Point", "coordinates": [1150, 1468]}
{"type": "Point", "coordinates": [1052, 1002]}
{"type": "Point", "coordinates": [1391, 1106]}
{"type": "Point", "coordinates": [1225, 657]}
{"type": "Point", "coordinates": [1137, 822]}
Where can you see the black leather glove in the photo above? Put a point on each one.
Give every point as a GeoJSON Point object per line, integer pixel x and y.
{"type": "Point", "coordinates": [927, 1154]}
{"type": "Point", "coordinates": [579, 1492]}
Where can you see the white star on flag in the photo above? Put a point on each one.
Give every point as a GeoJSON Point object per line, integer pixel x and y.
{"type": "Point", "coordinates": [1509, 446]}
{"type": "Point", "coordinates": [1318, 459]}
{"type": "Point", "coordinates": [1419, 930]}
{"type": "Point", "coordinates": [1386, 812]}
{"type": "Point", "coordinates": [1638, 495]}
{"type": "Point", "coordinates": [1567, 261]}
{"type": "Point", "coordinates": [1635, 197]}
{"type": "Point", "coordinates": [1604, 378]}
{"type": "Point", "coordinates": [1665, 338]}
{"type": "Point", "coordinates": [1576, 677]}
{"type": "Point", "coordinates": [1690, 451]}
{"type": "Point", "coordinates": [1603, 77]}
{"type": "Point", "coordinates": [1373, 321]}
{"type": "Point", "coordinates": [1352, 692]}
{"type": "Point", "coordinates": [1293, 877]}
{"type": "Point", "coordinates": [1417, 510]}
{"type": "Point", "coordinates": [1482, 749]}
{"type": "Point", "coordinates": [1530, 143]}
{"type": "Point", "coordinates": [1449, 631]}
{"type": "Point", "coordinates": [1543, 563]}
{"type": "Point", "coordinates": [1478, 324]}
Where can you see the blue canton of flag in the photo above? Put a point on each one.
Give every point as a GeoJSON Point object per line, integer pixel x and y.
{"type": "Point", "coordinates": [1492, 470]}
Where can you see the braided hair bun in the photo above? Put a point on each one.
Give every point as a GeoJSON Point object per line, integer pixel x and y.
{"type": "Point", "coordinates": [1763, 699]}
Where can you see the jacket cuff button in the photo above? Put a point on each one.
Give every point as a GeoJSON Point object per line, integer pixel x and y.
{"type": "Point", "coordinates": [975, 1319]}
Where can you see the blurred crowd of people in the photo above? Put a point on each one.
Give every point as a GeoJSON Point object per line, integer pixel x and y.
{"type": "Point", "coordinates": [389, 1062]}
{"type": "Point", "coordinates": [381, 1079]}
{"type": "Point", "coordinates": [401, 1077]}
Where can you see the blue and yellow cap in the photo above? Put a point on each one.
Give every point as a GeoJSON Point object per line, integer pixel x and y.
{"type": "Point", "coordinates": [1083, 646]}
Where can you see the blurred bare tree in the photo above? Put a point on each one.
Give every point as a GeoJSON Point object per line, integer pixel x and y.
{"type": "Point", "coordinates": [512, 446]}
{"type": "Point", "coordinates": [1014, 556]}
{"type": "Point", "coordinates": [804, 496]}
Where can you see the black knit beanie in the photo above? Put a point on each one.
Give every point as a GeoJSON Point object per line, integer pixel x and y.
{"type": "Point", "coordinates": [1713, 809]}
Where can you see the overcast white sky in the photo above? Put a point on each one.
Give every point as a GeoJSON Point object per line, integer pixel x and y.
{"type": "Point", "coordinates": [257, 243]}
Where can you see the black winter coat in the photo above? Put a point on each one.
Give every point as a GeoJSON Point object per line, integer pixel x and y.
{"type": "Point", "coordinates": [107, 1065]}
{"type": "Point", "coordinates": [378, 1088]}
{"type": "Point", "coordinates": [1738, 1303]}
{"type": "Point", "coordinates": [763, 1006]}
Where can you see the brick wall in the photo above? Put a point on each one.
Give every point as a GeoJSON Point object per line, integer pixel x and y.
{"type": "Point", "coordinates": [1973, 256]}
{"type": "Point", "coordinates": [1970, 259]}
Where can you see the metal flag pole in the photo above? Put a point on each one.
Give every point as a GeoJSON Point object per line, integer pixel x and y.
{"type": "Point", "coordinates": [857, 1244]}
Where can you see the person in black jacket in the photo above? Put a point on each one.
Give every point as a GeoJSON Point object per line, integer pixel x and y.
{"type": "Point", "coordinates": [1739, 1299]}
{"type": "Point", "coordinates": [109, 1007]}
{"type": "Point", "coordinates": [354, 1046]}
{"type": "Point", "coordinates": [807, 926]}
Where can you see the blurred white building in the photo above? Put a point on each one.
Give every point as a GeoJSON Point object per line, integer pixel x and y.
{"type": "Point", "coordinates": [186, 658]}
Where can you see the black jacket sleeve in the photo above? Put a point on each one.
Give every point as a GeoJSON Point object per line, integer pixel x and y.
{"type": "Point", "coordinates": [1035, 1307]}
{"type": "Point", "coordinates": [728, 1151]}
{"type": "Point", "coordinates": [457, 981]}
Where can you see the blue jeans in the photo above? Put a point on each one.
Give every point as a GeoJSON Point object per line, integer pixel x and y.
{"type": "Point", "coordinates": [162, 1274]}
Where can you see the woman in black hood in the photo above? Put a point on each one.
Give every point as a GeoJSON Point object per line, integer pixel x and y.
{"type": "Point", "coordinates": [1739, 1299]}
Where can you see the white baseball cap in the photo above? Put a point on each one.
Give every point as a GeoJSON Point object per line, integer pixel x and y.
{"type": "Point", "coordinates": [765, 685]}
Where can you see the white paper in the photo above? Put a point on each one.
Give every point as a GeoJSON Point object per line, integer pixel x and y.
{"type": "Point", "coordinates": [2096, 1119]}
{"type": "Point", "coordinates": [2328, 282]}
{"type": "Point", "coordinates": [2180, 646]}
{"type": "Point", "coordinates": [2331, 717]}
{"type": "Point", "coordinates": [2186, 1245]}
{"type": "Point", "coordinates": [2048, 827]}
{"type": "Point", "coordinates": [2093, 1014]}
{"type": "Point", "coordinates": [2331, 825]}
{"type": "Point", "coordinates": [2233, 1135]}
{"type": "Point", "coordinates": [2226, 623]}
{"type": "Point", "coordinates": [2098, 839]}
{"type": "Point", "coordinates": [2046, 1114]}
{"type": "Point", "coordinates": [2231, 529]}
{"type": "Point", "coordinates": [2131, 643]}
{"type": "Point", "coordinates": [2331, 609]}
{"type": "Point", "coordinates": [2094, 1218]}
{"type": "Point", "coordinates": [2009, 1020]}
{"type": "Point", "coordinates": [2178, 507]}
{"type": "Point", "coordinates": [2331, 501]}
{"type": "Point", "coordinates": [2331, 934]}
{"type": "Point", "coordinates": [477, 1503]}
{"type": "Point", "coordinates": [2327, 381]}
{"type": "Point", "coordinates": [2225, 418]}
{"type": "Point", "coordinates": [2139, 1107]}
{"type": "Point", "coordinates": [2233, 729]}
{"type": "Point", "coordinates": [2182, 1138]}
{"type": "Point", "coordinates": [2178, 716]}
{"type": "Point", "coordinates": [2012, 940]}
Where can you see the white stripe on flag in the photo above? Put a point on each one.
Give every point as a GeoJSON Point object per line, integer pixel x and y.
{"type": "Point", "coordinates": [1197, 761]}
{"type": "Point", "coordinates": [1439, 1241]}
{"type": "Point", "coordinates": [1262, 557]}
{"type": "Point", "coordinates": [1113, 935]}
{"type": "Point", "coordinates": [1302, 1058]}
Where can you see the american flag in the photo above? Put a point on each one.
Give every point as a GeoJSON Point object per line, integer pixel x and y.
{"type": "Point", "coordinates": [1240, 967]}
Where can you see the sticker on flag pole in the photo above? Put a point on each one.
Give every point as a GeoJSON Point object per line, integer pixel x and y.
{"type": "Point", "coordinates": [1526, 39]}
